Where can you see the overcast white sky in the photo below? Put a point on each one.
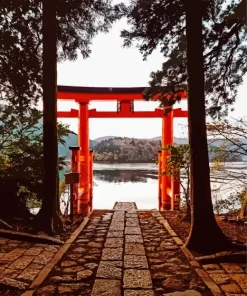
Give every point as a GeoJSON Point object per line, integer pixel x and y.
{"type": "Point", "coordinates": [111, 65]}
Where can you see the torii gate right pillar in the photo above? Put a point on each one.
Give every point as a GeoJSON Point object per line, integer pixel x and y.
{"type": "Point", "coordinates": [167, 139]}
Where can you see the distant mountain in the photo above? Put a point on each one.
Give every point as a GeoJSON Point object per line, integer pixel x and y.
{"type": "Point", "coordinates": [103, 138]}
{"type": "Point", "coordinates": [72, 140]}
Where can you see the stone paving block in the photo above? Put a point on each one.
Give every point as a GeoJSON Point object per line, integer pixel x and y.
{"type": "Point", "coordinates": [52, 248]}
{"type": "Point", "coordinates": [232, 267]}
{"type": "Point", "coordinates": [220, 278]}
{"type": "Point", "coordinates": [185, 293]}
{"type": "Point", "coordinates": [134, 249]}
{"type": "Point", "coordinates": [132, 220]}
{"type": "Point", "coordinates": [116, 227]}
{"type": "Point", "coordinates": [132, 224]}
{"type": "Point", "coordinates": [211, 266]}
{"type": "Point", "coordinates": [138, 293]}
{"type": "Point", "coordinates": [241, 279]}
{"type": "Point", "coordinates": [35, 266]}
{"type": "Point", "coordinates": [132, 261]}
{"type": "Point", "coordinates": [110, 270]}
{"type": "Point", "coordinates": [28, 274]}
{"type": "Point", "coordinates": [132, 230]}
{"type": "Point", "coordinates": [133, 239]}
{"type": "Point", "coordinates": [134, 278]}
{"type": "Point", "coordinates": [22, 262]}
{"type": "Point", "coordinates": [115, 234]}
{"type": "Point", "coordinates": [112, 254]}
{"type": "Point", "coordinates": [106, 287]}
{"type": "Point", "coordinates": [125, 206]}
{"type": "Point", "coordinates": [34, 251]}
{"type": "Point", "coordinates": [10, 273]}
{"type": "Point", "coordinates": [44, 257]}
{"type": "Point", "coordinates": [14, 283]}
{"type": "Point", "coordinates": [9, 257]}
{"type": "Point", "coordinates": [231, 288]}
{"type": "Point", "coordinates": [114, 242]}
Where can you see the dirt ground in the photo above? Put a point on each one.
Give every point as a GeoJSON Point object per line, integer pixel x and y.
{"type": "Point", "coordinates": [182, 228]}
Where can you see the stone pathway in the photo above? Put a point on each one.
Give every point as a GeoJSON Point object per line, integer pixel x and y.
{"type": "Point", "coordinates": [20, 262]}
{"type": "Point", "coordinates": [123, 252]}
{"type": "Point", "coordinates": [120, 252]}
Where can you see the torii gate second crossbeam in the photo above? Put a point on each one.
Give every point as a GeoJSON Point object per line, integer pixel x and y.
{"type": "Point", "coordinates": [169, 189]}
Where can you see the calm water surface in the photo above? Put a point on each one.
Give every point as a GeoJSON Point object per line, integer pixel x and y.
{"type": "Point", "coordinates": [125, 182]}
{"type": "Point", "coordinates": [139, 183]}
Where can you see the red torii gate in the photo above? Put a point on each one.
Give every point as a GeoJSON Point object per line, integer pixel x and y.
{"type": "Point", "coordinates": [82, 158]}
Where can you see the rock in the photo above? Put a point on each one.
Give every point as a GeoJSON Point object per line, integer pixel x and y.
{"type": "Point", "coordinates": [156, 261]}
{"type": "Point", "coordinates": [70, 288]}
{"type": "Point", "coordinates": [184, 293]}
{"type": "Point", "coordinates": [73, 269]}
{"type": "Point", "coordinates": [160, 275]}
{"type": "Point", "coordinates": [91, 266]}
{"type": "Point", "coordinates": [46, 291]}
{"type": "Point", "coordinates": [172, 283]}
{"type": "Point", "coordinates": [68, 263]}
{"type": "Point", "coordinates": [60, 279]}
{"type": "Point", "coordinates": [95, 245]}
{"type": "Point", "coordinates": [79, 250]}
{"type": "Point", "coordinates": [84, 274]}
{"type": "Point", "coordinates": [82, 261]}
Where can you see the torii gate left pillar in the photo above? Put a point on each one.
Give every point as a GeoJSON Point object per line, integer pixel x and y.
{"type": "Point", "coordinates": [83, 205]}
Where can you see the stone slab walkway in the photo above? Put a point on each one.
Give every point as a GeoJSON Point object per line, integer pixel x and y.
{"type": "Point", "coordinates": [21, 262]}
{"type": "Point", "coordinates": [119, 252]}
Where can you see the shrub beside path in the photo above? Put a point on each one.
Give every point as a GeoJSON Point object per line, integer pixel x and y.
{"type": "Point", "coordinates": [119, 252]}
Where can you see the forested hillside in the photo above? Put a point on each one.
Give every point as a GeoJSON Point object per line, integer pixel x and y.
{"type": "Point", "coordinates": [126, 150]}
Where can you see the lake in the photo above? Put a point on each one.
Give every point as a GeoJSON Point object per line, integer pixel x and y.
{"type": "Point", "coordinates": [139, 183]}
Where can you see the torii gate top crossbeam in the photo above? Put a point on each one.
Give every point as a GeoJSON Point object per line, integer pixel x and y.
{"type": "Point", "coordinates": [86, 94]}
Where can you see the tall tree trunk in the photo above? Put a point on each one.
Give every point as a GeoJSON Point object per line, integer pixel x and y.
{"type": "Point", "coordinates": [243, 212]}
{"type": "Point", "coordinates": [205, 234]}
{"type": "Point", "coordinates": [48, 218]}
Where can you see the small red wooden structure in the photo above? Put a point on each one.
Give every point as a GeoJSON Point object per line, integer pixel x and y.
{"type": "Point", "coordinates": [125, 97]}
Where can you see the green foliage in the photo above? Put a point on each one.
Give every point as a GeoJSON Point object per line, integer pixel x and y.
{"type": "Point", "coordinates": [230, 205]}
{"type": "Point", "coordinates": [21, 142]}
{"type": "Point", "coordinates": [161, 24]}
{"type": "Point", "coordinates": [62, 187]}
{"type": "Point", "coordinates": [179, 159]}
{"type": "Point", "coordinates": [21, 40]}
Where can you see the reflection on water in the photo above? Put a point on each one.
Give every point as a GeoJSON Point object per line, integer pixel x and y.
{"type": "Point", "coordinates": [138, 183]}
{"type": "Point", "coordinates": [124, 176]}
{"type": "Point", "coordinates": [128, 182]}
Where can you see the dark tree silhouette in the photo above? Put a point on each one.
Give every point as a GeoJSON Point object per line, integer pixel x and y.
{"type": "Point", "coordinates": [48, 217]}
{"type": "Point", "coordinates": [196, 36]}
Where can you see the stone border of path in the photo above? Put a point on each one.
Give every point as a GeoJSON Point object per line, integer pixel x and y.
{"type": "Point", "coordinates": [49, 266]}
{"type": "Point", "coordinates": [194, 264]}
